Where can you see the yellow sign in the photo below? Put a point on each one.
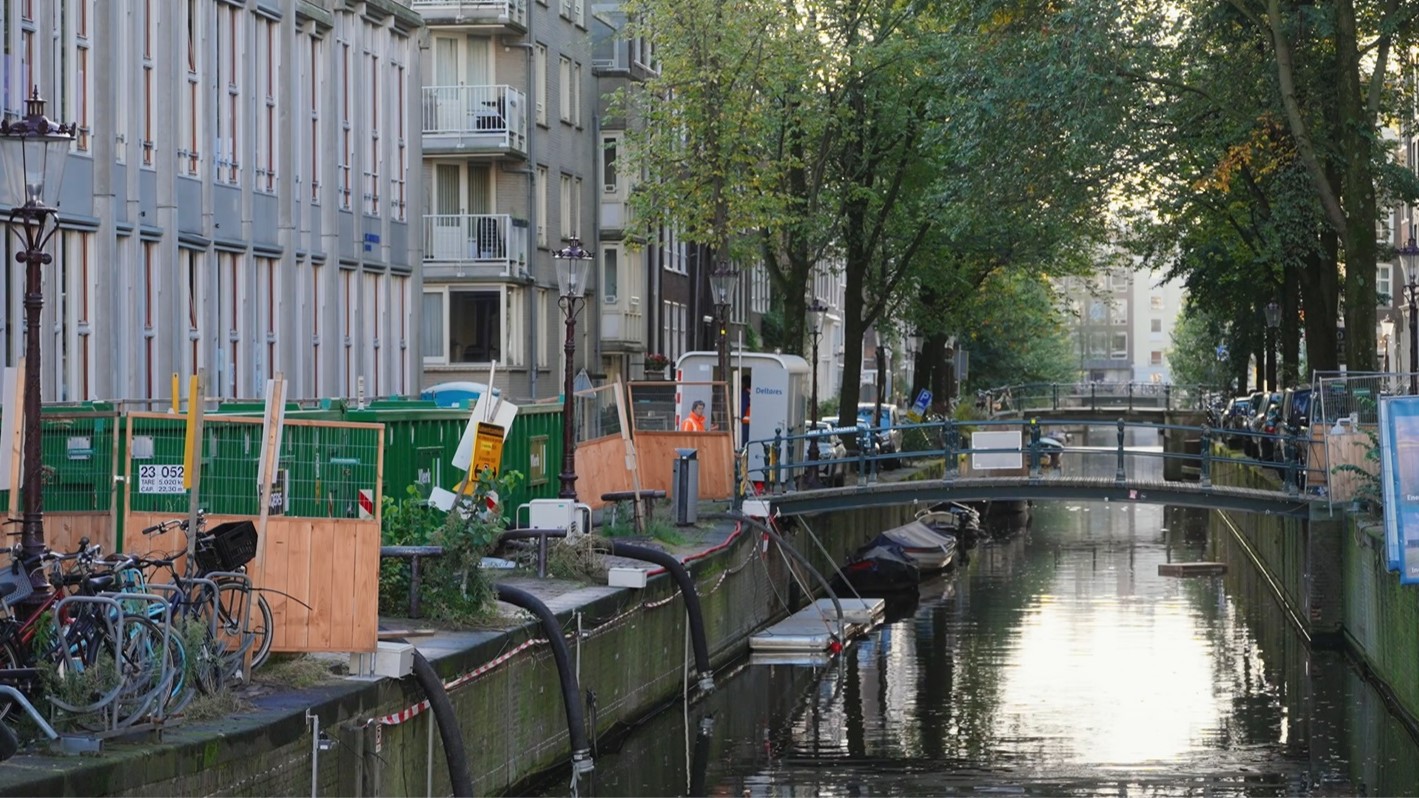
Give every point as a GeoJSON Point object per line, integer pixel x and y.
{"type": "Point", "coordinates": [487, 449]}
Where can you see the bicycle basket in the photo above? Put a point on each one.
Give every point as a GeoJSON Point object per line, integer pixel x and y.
{"type": "Point", "coordinates": [15, 585]}
{"type": "Point", "coordinates": [227, 547]}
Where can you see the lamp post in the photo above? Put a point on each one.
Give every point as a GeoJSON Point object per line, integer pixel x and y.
{"type": "Point", "coordinates": [1408, 254]}
{"type": "Point", "coordinates": [34, 150]}
{"type": "Point", "coordinates": [723, 280]}
{"type": "Point", "coordinates": [815, 330]}
{"type": "Point", "coordinates": [572, 264]}
{"type": "Point", "coordinates": [1273, 318]}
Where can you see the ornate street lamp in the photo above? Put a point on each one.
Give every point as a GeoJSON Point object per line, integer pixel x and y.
{"type": "Point", "coordinates": [1273, 318]}
{"type": "Point", "coordinates": [723, 280]}
{"type": "Point", "coordinates": [33, 150]}
{"type": "Point", "coordinates": [1408, 254]}
{"type": "Point", "coordinates": [573, 263]}
{"type": "Point", "coordinates": [815, 332]}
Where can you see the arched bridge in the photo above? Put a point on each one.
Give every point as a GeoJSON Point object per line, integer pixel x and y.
{"type": "Point", "coordinates": [1008, 459]}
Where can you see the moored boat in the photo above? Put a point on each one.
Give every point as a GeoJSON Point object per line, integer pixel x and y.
{"type": "Point", "coordinates": [932, 549]}
{"type": "Point", "coordinates": [881, 567]}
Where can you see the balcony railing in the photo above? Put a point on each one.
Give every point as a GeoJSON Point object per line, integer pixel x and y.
{"type": "Point", "coordinates": [495, 116]}
{"type": "Point", "coordinates": [483, 238]}
{"type": "Point", "coordinates": [507, 12]}
{"type": "Point", "coordinates": [623, 325]}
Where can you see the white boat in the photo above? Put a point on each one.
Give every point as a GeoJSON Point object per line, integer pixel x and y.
{"type": "Point", "coordinates": [932, 549]}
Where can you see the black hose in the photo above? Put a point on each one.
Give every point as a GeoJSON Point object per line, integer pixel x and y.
{"type": "Point", "coordinates": [448, 726]}
{"type": "Point", "coordinates": [768, 530]}
{"type": "Point", "coordinates": [692, 601]}
{"type": "Point", "coordinates": [676, 569]}
{"type": "Point", "coordinates": [571, 694]}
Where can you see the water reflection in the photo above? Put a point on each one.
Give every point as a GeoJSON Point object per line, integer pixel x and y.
{"type": "Point", "coordinates": [1056, 662]}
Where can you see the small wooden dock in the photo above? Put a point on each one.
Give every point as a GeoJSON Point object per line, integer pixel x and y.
{"type": "Point", "coordinates": [815, 627]}
{"type": "Point", "coordinates": [1192, 569]}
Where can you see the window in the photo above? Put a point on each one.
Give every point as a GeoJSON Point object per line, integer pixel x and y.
{"type": "Point", "coordinates": [608, 163]}
{"type": "Point", "coordinates": [610, 274]}
{"type": "Point", "coordinates": [1155, 358]}
{"type": "Point", "coordinates": [193, 286]}
{"type": "Point", "coordinates": [566, 207]}
{"type": "Point", "coordinates": [75, 363]}
{"type": "Point", "coordinates": [1156, 325]}
{"type": "Point", "coordinates": [539, 82]}
{"type": "Point", "coordinates": [547, 310]}
{"type": "Point", "coordinates": [74, 27]}
{"type": "Point", "coordinates": [268, 315]}
{"type": "Point", "coordinates": [399, 199]}
{"type": "Point", "coordinates": [372, 108]}
{"type": "Point", "coordinates": [189, 152]}
{"type": "Point", "coordinates": [465, 326]}
{"type": "Point", "coordinates": [229, 56]}
{"type": "Point", "coordinates": [315, 79]}
{"type": "Point", "coordinates": [317, 311]}
{"type": "Point", "coordinates": [268, 66]}
{"type": "Point", "coordinates": [576, 94]}
{"type": "Point", "coordinates": [576, 206]}
{"type": "Point", "coordinates": [564, 88]}
{"type": "Point", "coordinates": [152, 311]}
{"type": "Point", "coordinates": [347, 127]}
{"type": "Point", "coordinates": [150, 33]}
{"type": "Point", "coordinates": [1155, 302]}
{"type": "Point", "coordinates": [1119, 349]}
{"type": "Point", "coordinates": [1383, 286]}
{"type": "Point", "coordinates": [541, 189]}
{"type": "Point", "coordinates": [229, 342]}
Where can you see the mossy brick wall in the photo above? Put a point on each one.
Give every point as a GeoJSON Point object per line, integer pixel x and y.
{"type": "Point", "coordinates": [632, 653]}
{"type": "Point", "coordinates": [1381, 615]}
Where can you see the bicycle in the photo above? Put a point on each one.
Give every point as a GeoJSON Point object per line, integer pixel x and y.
{"type": "Point", "coordinates": [222, 557]}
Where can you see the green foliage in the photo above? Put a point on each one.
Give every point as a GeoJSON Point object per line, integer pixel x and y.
{"type": "Point", "coordinates": [453, 587]}
{"type": "Point", "coordinates": [1193, 357]}
{"type": "Point", "coordinates": [828, 408]}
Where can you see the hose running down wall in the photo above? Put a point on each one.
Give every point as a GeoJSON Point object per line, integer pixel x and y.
{"type": "Point", "coordinates": [449, 730]}
{"type": "Point", "coordinates": [682, 578]}
{"type": "Point", "coordinates": [571, 693]}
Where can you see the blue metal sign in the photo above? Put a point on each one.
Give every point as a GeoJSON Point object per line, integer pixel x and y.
{"type": "Point", "coordinates": [918, 409]}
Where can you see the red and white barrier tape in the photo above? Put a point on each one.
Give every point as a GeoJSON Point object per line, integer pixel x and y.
{"type": "Point", "coordinates": [408, 713]}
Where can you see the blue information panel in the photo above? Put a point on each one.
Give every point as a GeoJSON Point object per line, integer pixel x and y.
{"type": "Point", "coordinates": [918, 410]}
{"type": "Point", "coordinates": [1399, 457]}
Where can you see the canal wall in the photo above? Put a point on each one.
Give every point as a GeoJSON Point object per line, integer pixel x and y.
{"type": "Point", "coordinates": [1329, 573]}
{"type": "Point", "coordinates": [630, 647]}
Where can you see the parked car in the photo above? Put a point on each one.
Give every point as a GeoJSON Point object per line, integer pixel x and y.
{"type": "Point", "coordinates": [829, 440]}
{"type": "Point", "coordinates": [888, 427]}
{"type": "Point", "coordinates": [1236, 417]}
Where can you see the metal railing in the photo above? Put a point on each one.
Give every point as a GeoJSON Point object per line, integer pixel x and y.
{"type": "Point", "coordinates": [514, 11]}
{"type": "Point", "coordinates": [498, 111]}
{"type": "Point", "coordinates": [792, 463]}
{"type": "Point", "coordinates": [474, 237]}
{"type": "Point", "coordinates": [1092, 396]}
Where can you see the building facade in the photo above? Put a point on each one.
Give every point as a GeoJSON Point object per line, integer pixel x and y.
{"type": "Point", "coordinates": [237, 200]}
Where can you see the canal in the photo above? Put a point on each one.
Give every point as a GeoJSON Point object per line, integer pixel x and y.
{"type": "Point", "coordinates": [1055, 662]}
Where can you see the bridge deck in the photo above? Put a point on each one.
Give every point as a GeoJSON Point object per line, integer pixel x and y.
{"type": "Point", "coordinates": [1050, 487]}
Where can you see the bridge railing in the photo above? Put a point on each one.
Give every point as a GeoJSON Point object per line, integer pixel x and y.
{"type": "Point", "coordinates": [1093, 396]}
{"type": "Point", "coordinates": [1035, 450]}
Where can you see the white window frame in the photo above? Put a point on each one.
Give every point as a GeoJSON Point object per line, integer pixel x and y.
{"type": "Point", "coordinates": [564, 89]}
{"type": "Point", "coordinates": [565, 196]}
{"type": "Point", "coordinates": [610, 256]}
{"type": "Point", "coordinates": [511, 345]}
{"type": "Point", "coordinates": [542, 178]}
{"type": "Point", "coordinates": [610, 173]}
{"type": "Point", "coordinates": [539, 82]}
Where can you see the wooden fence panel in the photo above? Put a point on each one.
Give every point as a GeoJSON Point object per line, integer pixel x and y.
{"type": "Point", "coordinates": [601, 468]}
{"type": "Point", "coordinates": [62, 530]}
{"type": "Point", "coordinates": [1347, 448]}
{"type": "Point", "coordinates": [715, 452]}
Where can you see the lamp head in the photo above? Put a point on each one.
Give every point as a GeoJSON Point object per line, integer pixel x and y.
{"type": "Point", "coordinates": [573, 263]}
{"type": "Point", "coordinates": [34, 150]}
{"type": "Point", "coordinates": [723, 280]}
{"type": "Point", "coordinates": [1273, 314]}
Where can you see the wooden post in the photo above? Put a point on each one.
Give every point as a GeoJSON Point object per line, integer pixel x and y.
{"type": "Point", "coordinates": [192, 461]}
{"type": "Point", "coordinates": [273, 421]}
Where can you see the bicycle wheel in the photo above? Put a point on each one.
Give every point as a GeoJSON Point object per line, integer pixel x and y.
{"type": "Point", "coordinates": [244, 623]}
{"type": "Point", "coordinates": [10, 659]}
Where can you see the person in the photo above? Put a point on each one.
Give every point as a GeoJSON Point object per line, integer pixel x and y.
{"type": "Point", "coordinates": [744, 399]}
{"type": "Point", "coordinates": [695, 422]}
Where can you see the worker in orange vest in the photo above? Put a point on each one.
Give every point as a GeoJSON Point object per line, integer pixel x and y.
{"type": "Point", "coordinates": [695, 422]}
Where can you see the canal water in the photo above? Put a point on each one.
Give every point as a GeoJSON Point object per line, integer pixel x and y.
{"type": "Point", "coordinates": [1056, 662]}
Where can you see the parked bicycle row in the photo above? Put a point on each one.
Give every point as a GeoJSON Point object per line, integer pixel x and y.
{"type": "Point", "coordinates": [105, 643]}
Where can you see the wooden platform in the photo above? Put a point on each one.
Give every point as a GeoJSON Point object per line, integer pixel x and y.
{"type": "Point", "coordinates": [815, 627]}
{"type": "Point", "coordinates": [1192, 569]}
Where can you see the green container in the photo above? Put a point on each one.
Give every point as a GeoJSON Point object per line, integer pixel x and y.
{"type": "Point", "coordinates": [77, 453]}
{"type": "Point", "coordinates": [421, 438]}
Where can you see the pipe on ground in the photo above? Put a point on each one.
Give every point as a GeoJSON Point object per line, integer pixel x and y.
{"type": "Point", "coordinates": [571, 693]}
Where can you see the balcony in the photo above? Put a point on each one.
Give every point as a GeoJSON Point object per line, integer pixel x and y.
{"type": "Point", "coordinates": [475, 120]}
{"type": "Point", "coordinates": [622, 328]}
{"type": "Point", "coordinates": [474, 245]}
{"type": "Point", "coordinates": [510, 15]}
